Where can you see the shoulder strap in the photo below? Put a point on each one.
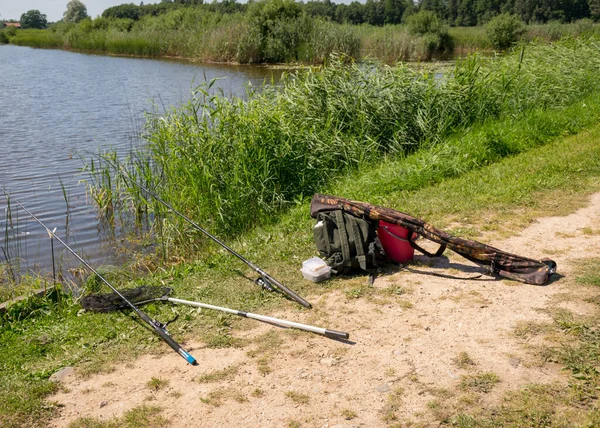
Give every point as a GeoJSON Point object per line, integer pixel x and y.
{"type": "Point", "coordinates": [359, 243]}
{"type": "Point", "coordinates": [344, 241]}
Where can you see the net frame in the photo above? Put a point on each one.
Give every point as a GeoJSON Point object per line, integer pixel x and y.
{"type": "Point", "coordinates": [109, 302]}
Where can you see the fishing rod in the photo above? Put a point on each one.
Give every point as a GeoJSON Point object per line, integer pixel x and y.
{"type": "Point", "coordinates": [333, 334]}
{"type": "Point", "coordinates": [158, 327]}
{"type": "Point", "coordinates": [146, 294]}
{"type": "Point", "coordinates": [265, 280]}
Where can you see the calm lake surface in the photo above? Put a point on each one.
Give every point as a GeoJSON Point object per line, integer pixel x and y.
{"type": "Point", "coordinates": [58, 107]}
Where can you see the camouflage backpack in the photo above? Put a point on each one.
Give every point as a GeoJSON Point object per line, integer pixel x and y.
{"type": "Point", "coordinates": [346, 242]}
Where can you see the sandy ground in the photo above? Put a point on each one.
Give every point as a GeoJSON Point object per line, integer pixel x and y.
{"type": "Point", "coordinates": [401, 354]}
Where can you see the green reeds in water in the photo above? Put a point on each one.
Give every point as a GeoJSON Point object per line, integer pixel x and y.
{"type": "Point", "coordinates": [11, 249]}
{"type": "Point", "coordinates": [204, 34]}
{"type": "Point", "coordinates": [231, 164]}
{"type": "Point", "coordinates": [38, 39]}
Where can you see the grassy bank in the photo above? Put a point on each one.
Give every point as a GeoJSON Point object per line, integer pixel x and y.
{"type": "Point", "coordinates": [40, 336]}
{"type": "Point", "coordinates": [235, 164]}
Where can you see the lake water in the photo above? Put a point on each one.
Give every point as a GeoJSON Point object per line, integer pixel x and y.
{"type": "Point", "coordinates": [57, 107]}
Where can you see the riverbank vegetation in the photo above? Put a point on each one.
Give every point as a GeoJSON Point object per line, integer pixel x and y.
{"type": "Point", "coordinates": [276, 31]}
{"type": "Point", "coordinates": [42, 335]}
{"type": "Point", "coordinates": [236, 163]}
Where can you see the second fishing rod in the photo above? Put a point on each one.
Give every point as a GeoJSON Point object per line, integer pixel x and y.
{"type": "Point", "coordinates": [265, 280]}
{"type": "Point", "coordinates": [158, 327]}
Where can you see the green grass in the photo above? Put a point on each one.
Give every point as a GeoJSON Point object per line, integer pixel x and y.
{"type": "Point", "coordinates": [202, 34]}
{"type": "Point", "coordinates": [38, 39]}
{"type": "Point", "coordinates": [138, 417]}
{"type": "Point", "coordinates": [348, 414]}
{"type": "Point", "coordinates": [297, 397]}
{"type": "Point", "coordinates": [156, 384]}
{"type": "Point", "coordinates": [218, 375]}
{"type": "Point", "coordinates": [463, 361]}
{"type": "Point", "coordinates": [591, 272]}
{"type": "Point", "coordinates": [483, 382]}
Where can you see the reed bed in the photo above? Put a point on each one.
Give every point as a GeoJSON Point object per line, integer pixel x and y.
{"type": "Point", "coordinates": [268, 36]}
{"type": "Point", "coordinates": [236, 163]}
{"type": "Point", "coordinates": [203, 35]}
{"type": "Point", "coordinates": [38, 39]}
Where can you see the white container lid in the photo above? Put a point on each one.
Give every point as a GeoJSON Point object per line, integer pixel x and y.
{"type": "Point", "coordinates": [314, 264]}
{"type": "Point", "coordinates": [319, 276]}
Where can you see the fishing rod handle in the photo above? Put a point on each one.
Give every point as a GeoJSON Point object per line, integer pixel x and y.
{"type": "Point", "coordinates": [286, 290]}
{"type": "Point", "coordinates": [334, 334]}
{"type": "Point", "coordinates": [170, 341]}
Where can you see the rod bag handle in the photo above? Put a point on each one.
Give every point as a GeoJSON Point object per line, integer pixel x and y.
{"type": "Point", "coordinates": [416, 246]}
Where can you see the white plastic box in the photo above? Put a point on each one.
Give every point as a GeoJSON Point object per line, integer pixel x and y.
{"type": "Point", "coordinates": [315, 270]}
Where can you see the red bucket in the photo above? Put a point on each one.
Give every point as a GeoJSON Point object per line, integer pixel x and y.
{"type": "Point", "coordinates": [394, 240]}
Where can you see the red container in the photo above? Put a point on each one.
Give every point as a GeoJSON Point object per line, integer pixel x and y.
{"type": "Point", "coordinates": [394, 240]}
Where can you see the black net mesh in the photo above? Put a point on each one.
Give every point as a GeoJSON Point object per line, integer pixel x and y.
{"type": "Point", "coordinates": [112, 301]}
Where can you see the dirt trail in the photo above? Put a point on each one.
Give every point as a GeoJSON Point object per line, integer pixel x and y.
{"type": "Point", "coordinates": [405, 336]}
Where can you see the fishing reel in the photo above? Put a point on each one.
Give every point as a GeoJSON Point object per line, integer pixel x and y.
{"type": "Point", "coordinates": [163, 326]}
{"type": "Point", "coordinates": [263, 283]}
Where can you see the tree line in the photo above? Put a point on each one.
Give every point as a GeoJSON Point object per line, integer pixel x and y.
{"type": "Point", "coordinates": [383, 12]}
{"type": "Point", "coordinates": [374, 12]}
{"type": "Point", "coordinates": [75, 12]}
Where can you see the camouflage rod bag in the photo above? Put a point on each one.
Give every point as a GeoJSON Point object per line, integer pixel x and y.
{"type": "Point", "coordinates": [529, 271]}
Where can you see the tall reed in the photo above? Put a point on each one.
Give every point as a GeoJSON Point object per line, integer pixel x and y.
{"type": "Point", "coordinates": [263, 37]}
{"type": "Point", "coordinates": [233, 163]}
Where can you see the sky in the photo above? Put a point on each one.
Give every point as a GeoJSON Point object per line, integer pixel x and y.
{"type": "Point", "coordinates": [13, 9]}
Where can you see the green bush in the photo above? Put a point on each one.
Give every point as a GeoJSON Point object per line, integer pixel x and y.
{"type": "Point", "coordinates": [3, 38]}
{"type": "Point", "coordinates": [10, 31]}
{"type": "Point", "coordinates": [504, 30]}
{"type": "Point", "coordinates": [423, 22]}
{"type": "Point", "coordinates": [584, 26]}
{"type": "Point", "coordinates": [433, 34]}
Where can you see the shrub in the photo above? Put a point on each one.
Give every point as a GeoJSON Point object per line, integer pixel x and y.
{"type": "Point", "coordinates": [10, 31]}
{"type": "Point", "coordinates": [423, 22]}
{"type": "Point", "coordinates": [434, 35]}
{"type": "Point", "coordinates": [3, 38]}
{"type": "Point", "coordinates": [504, 30]}
{"type": "Point", "coordinates": [584, 26]}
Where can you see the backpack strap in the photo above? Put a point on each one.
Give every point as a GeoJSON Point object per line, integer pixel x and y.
{"type": "Point", "coordinates": [344, 241]}
{"type": "Point", "coordinates": [359, 243]}
{"type": "Point", "coordinates": [362, 250]}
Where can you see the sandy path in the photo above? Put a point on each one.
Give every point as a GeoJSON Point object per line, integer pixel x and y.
{"type": "Point", "coordinates": [402, 354]}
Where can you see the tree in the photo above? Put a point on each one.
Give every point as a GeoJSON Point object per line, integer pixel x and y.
{"type": "Point", "coordinates": [374, 12]}
{"type": "Point", "coordinates": [34, 19]}
{"type": "Point", "coordinates": [504, 30]}
{"type": "Point", "coordinates": [352, 13]}
{"type": "Point", "coordinates": [594, 6]}
{"type": "Point", "coordinates": [439, 7]}
{"type": "Point", "coordinates": [393, 11]}
{"type": "Point", "coordinates": [76, 11]}
{"type": "Point", "coordinates": [128, 11]}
